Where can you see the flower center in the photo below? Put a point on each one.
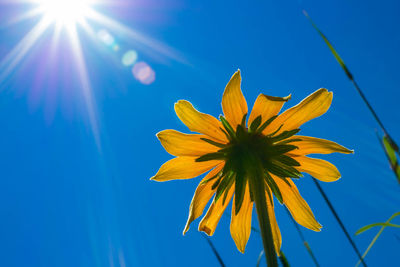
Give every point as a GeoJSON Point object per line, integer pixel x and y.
{"type": "Point", "coordinates": [250, 144]}
{"type": "Point", "coordinates": [250, 152]}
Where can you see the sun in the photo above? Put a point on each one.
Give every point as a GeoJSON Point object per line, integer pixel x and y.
{"type": "Point", "coordinates": [65, 13]}
{"type": "Point", "coordinates": [62, 22]}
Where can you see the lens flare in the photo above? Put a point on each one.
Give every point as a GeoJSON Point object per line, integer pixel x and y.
{"type": "Point", "coordinates": [144, 73]}
{"type": "Point", "coordinates": [116, 48]}
{"type": "Point", "coordinates": [129, 58]}
{"type": "Point", "coordinates": [106, 37]}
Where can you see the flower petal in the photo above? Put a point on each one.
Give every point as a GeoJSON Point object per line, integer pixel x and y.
{"type": "Point", "coordinates": [183, 168]}
{"type": "Point", "coordinates": [241, 222]}
{"type": "Point", "coordinates": [201, 197]}
{"type": "Point", "coordinates": [311, 107]}
{"type": "Point", "coordinates": [297, 206]}
{"type": "Point", "coordinates": [214, 213]}
{"type": "Point", "coordinates": [312, 145]}
{"type": "Point", "coordinates": [199, 122]}
{"type": "Point", "coordinates": [318, 168]}
{"type": "Point", "coordinates": [276, 233]}
{"type": "Point", "coordinates": [267, 106]}
{"type": "Point", "coordinates": [233, 102]}
{"type": "Point", "coordinates": [180, 144]}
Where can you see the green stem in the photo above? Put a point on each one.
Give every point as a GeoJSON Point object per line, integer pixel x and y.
{"type": "Point", "coordinates": [221, 262]}
{"type": "Point", "coordinates": [305, 243]}
{"type": "Point", "coordinates": [370, 245]}
{"type": "Point", "coordinates": [346, 233]}
{"type": "Point", "coordinates": [351, 78]}
{"type": "Point", "coordinates": [376, 237]}
{"type": "Point", "coordinates": [258, 189]}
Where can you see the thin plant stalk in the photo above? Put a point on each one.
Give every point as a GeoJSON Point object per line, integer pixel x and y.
{"type": "Point", "coordinates": [305, 243]}
{"type": "Point", "coordinates": [355, 84]}
{"type": "Point", "coordinates": [339, 221]}
{"type": "Point", "coordinates": [282, 259]}
{"type": "Point", "coordinates": [260, 258]}
{"type": "Point", "coordinates": [384, 225]}
{"type": "Point", "coordinates": [216, 253]}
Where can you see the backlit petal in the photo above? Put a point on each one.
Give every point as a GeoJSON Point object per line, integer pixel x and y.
{"type": "Point", "coordinates": [183, 168]}
{"type": "Point", "coordinates": [311, 107]}
{"type": "Point", "coordinates": [241, 222]}
{"type": "Point", "coordinates": [214, 213]}
{"type": "Point", "coordinates": [234, 104]}
{"type": "Point", "coordinates": [203, 194]}
{"type": "Point", "coordinates": [180, 144]}
{"type": "Point", "coordinates": [276, 233]}
{"type": "Point", "coordinates": [312, 145]}
{"type": "Point", "coordinates": [297, 206]}
{"type": "Point", "coordinates": [199, 122]}
{"type": "Point", "coordinates": [318, 168]}
{"type": "Point", "coordinates": [267, 106]}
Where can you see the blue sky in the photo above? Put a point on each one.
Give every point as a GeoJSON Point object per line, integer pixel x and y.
{"type": "Point", "coordinates": [75, 168]}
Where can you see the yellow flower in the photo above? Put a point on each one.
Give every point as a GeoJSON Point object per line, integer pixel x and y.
{"type": "Point", "coordinates": [232, 149]}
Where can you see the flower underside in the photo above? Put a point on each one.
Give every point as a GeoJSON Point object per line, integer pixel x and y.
{"type": "Point", "coordinates": [249, 158]}
{"type": "Point", "coordinates": [247, 149]}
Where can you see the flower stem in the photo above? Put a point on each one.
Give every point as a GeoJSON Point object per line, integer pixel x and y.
{"type": "Point", "coordinates": [258, 190]}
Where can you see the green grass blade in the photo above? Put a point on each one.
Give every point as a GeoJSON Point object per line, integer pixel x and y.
{"type": "Point", "coordinates": [336, 215]}
{"type": "Point", "coordinates": [259, 258]}
{"type": "Point", "coordinates": [333, 50]}
{"type": "Point", "coordinates": [389, 150]}
{"type": "Point", "coordinates": [350, 76]}
{"type": "Point", "coordinates": [311, 253]}
{"type": "Point", "coordinates": [397, 172]}
{"type": "Point", "coordinates": [282, 259]}
{"type": "Point", "coordinates": [221, 262]}
{"type": "Point", "coordinates": [365, 228]}
{"type": "Point", "coordinates": [391, 155]}
{"type": "Point", "coordinates": [387, 223]}
{"type": "Point", "coordinates": [305, 243]}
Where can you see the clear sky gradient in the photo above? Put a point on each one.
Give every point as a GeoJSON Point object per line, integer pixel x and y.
{"type": "Point", "coordinates": [75, 163]}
